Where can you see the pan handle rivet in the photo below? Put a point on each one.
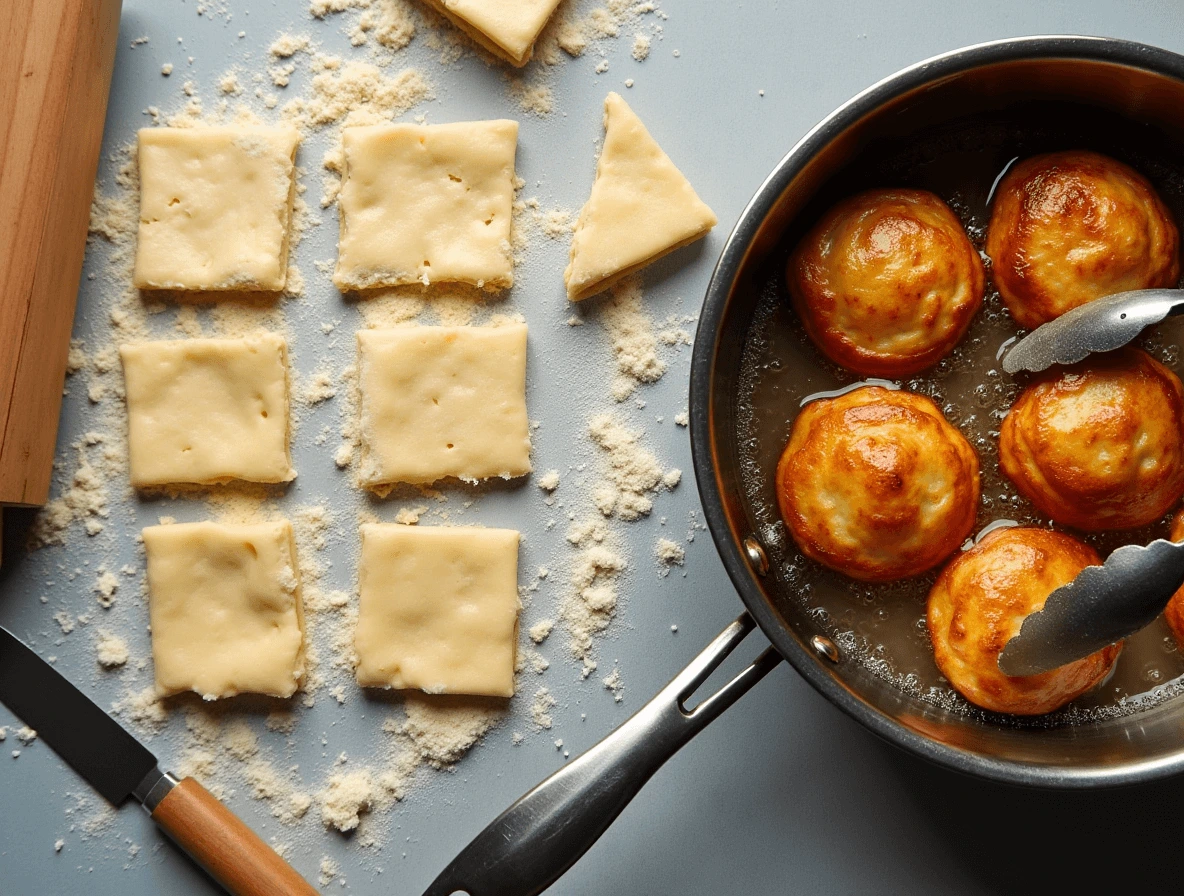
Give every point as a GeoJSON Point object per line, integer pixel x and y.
{"type": "Point", "coordinates": [756, 555]}
{"type": "Point", "coordinates": [825, 647]}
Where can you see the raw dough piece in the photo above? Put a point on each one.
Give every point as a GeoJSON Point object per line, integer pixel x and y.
{"type": "Point", "coordinates": [207, 410]}
{"type": "Point", "coordinates": [438, 609]}
{"type": "Point", "coordinates": [215, 207]}
{"type": "Point", "coordinates": [224, 604]}
{"type": "Point", "coordinates": [641, 207]}
{"type": "Point", "coordinates": [424, 203]}
{"type": "Point", "coordinates": [443, 401]}
{"type": "Point", "coordinates": [506, 28]}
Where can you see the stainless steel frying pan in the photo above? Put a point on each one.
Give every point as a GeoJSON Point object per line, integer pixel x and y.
{"type": "Point", "coordinates": [531, 844]}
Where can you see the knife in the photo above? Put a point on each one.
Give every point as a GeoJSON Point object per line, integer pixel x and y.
{"type": "Point", "coordinates": [118, 766]}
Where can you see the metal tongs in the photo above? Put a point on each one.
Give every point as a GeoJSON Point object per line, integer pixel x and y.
{"type": "Point", "coordinates": [1106, 603]}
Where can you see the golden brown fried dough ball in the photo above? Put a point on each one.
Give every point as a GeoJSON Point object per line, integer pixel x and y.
{"type": "Point", "coordinates": [1174, 611]}
{"type": "Point", "coordinates": [887, 282]}
{"type": "Point", "coordinates": [978, 604]}
{"type": "Point", "coordinates": [876, 484]}
{"type": "Point", "coordinates": [1099, 445]}
{"type": "Point", "coordinates": [1070, 227]}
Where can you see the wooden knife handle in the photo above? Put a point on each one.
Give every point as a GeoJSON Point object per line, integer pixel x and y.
{"type": "Point", "coordinates": [230, 851]}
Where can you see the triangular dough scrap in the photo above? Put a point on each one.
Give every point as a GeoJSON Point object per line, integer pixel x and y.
{"type": "Point", "coordinates": [641, 207]}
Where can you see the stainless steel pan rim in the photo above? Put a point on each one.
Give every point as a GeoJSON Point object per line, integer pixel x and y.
{"type": "Point", "coordinates": [703, 379]}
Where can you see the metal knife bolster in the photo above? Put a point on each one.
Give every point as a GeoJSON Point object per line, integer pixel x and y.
{"type": "Point", "coordinates": [154, 788]}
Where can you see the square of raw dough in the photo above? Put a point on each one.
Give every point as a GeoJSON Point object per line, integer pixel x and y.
{"type": "Point", "coordinates": [439, 402]}
{"type": "Point", "coordinates": [215, 207]}
{"type": "Point", "coordinates": [224, 605]}
{"type": "Point", "coordinates": [426, 203]}
{"type": "Point", "coordinates": [207, 410]}
{"type": "Point", "coordinates": [507, 28]}
{"type": "Point", "coordinates": [438, 609]}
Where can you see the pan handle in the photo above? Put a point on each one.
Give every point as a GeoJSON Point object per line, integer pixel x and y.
{"type": "Point", "coordinates": [530, 845]}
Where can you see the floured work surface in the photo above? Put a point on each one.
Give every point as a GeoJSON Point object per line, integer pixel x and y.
{"type": "Point", "coordinates": [337, 774]}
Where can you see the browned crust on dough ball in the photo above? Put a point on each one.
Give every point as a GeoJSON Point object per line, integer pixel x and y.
{"type": "Point", "coordinates": [877, 484]}
{"type": "Point", "coordinates": [887, 283]}
{"type": "Point", "coordinates": [1070, 227]}
{"type": "Point", "coordinates": [1099, 445]}
{"type": "Point", "coordinates": [978, 604]}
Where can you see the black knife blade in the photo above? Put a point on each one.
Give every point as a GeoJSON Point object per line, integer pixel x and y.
{"type": "Point", "coordinates": [86, 737]}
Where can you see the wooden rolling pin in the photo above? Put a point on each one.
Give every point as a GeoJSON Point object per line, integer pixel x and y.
{"type": "Point", "coordinates": [55, 72]}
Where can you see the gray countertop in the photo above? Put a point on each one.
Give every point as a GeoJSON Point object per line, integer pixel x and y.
{"type": "Point", "coordinates": [783, 793]}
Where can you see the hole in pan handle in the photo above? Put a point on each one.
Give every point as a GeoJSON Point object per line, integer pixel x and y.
{"type": "Point", "coordinates": [530, 845]}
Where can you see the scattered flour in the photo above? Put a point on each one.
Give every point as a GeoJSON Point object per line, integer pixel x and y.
{"type": "Point", "coordinates": [144, 709]}
{"type": "Point", "coordinates": [589, 607]}
{"type": "Point", "coordinates": [574, 34]}
{"type": "Point", "coordinates": [531, 96]}
{"type": "Point", "coordinates": [443, 728]}
{"type": "Point", "coordinates": [105, 586]}
{"type": "Point", "coordinates": [633, 472]}
{"type": "Point", "coordinates": [329, 869]}
{"type": "Point", "coordinates": [347, 796]}
{"type": "Point", "coordinates": [201, 764]}
{"type": "Point", "coordinates": [558, 223]}
{"type": "Point", "coordinates": [84, 499]}
{"type": "Point", "coordinates": [540, 709]}
{"type": "Point", "coordinates": [670, 553]}
{"type": "Point", "coordinates": [540, 630]}
{"type": "Point", "coordinates": [348, 92]}
{"type": "Point", "coordinates": [612, 682]}
{"type": "Point", "coordinates": [240, 741]}
{"type": "Point", "coordinates": [65, 621]}
{"type": "Point", "coordinates": [288, 45]}
{"type": "Point", "coordinates": [319, 387]}
{"type": "Point", "coordinates": [631, 334]}
{"type": "Point", "coordinates": [288, 803]}
{"type": "Point", "coordinates": [391, 22]}
{"type": "Point", "coordinates": [318, 9]}
{"type": "Point", "coordinates": [228, 84]}
{"type": "Point", "coordinates": [549, 481]}
{"type": "Point", "coordinates": [282, 721]}
{"type": "Point", "coordinates": [409, 516]}
{"type": "Point", "coordinates": [110, 650]}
